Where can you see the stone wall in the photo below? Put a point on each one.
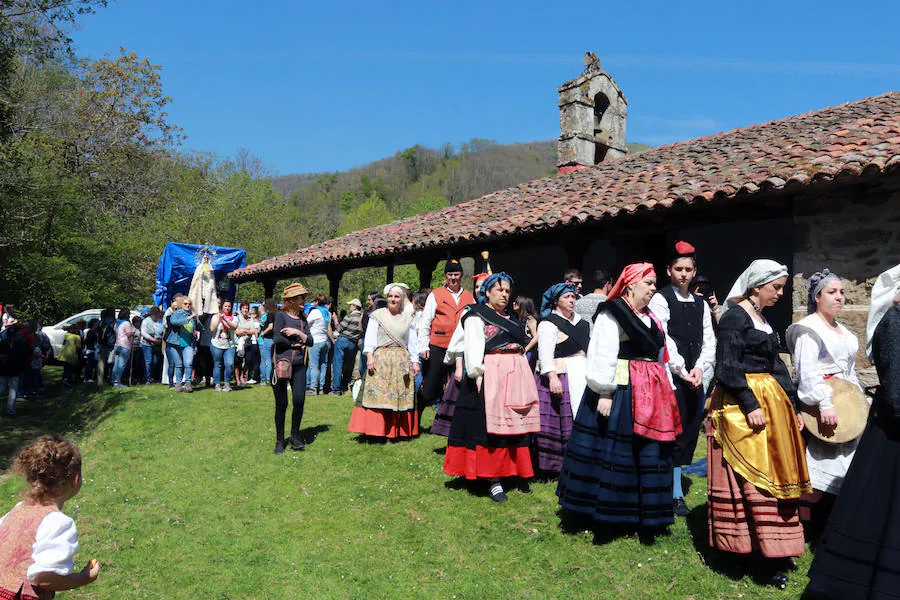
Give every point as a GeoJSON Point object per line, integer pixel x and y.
{"type": "Point", "coordinates": [857, 236]}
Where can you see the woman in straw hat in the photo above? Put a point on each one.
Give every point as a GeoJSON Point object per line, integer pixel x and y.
{"type": "Point", "coordinates": [386, 406]}
{"type": "Point", "coordinates": [618, 463]}
{"type": "Point", "coordinates": [757, 461]}
{"type": "Point", "coordinates": [858, 555]}
{"type": "Point", "coordinates": [292, 338]}
{"type": "Point", "coordinates": [823, 349]}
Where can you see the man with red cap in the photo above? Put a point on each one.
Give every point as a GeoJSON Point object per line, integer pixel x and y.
{"type": "Point", "coordinates": [443, 308]}
{"type": "Point", "coordinates": [687, 320]}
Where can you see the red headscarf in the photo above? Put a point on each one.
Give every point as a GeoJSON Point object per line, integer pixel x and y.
{"type": "Point", "coordinates": [631, 274]}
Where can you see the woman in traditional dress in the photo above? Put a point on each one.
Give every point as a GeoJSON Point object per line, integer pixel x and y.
{"type": "Point", "coordinates": [618, 463]}
{"type": "Point", "coordinates": [822, 349]}
{"type": "Point", "coordinates": [443, 416]}
{"type": "Point", "coordinates": [386, 406]}
{"type": "Point", "coordinates": [563, 339]}
{"type": "Point", "coordinates": [858, 555]}
{"type": "Point", "coordinates": [756, 458]}
{"type": "Point", "coordinates": [497, 407]}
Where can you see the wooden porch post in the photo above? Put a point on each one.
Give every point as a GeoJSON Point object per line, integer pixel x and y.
{"type": "Point", "coordinates": [390, 274]}
{"type": "Point", "coordinates": [426, 267]}
{"type": "Point", "coordinates": [268, 288]}
{"type": "Point", "coordinates": [334, 285]}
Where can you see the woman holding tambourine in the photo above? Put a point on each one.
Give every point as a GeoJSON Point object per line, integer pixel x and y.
{"type": "Point", "coordinates": [824, 354]}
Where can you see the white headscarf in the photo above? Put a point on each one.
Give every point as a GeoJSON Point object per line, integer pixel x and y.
{"type": "Point", "coordinates": [886, 287]}
{"type": "Point", "coordinates": [404, 298]}
{"type": "Point", "coordinates": [760, 271]}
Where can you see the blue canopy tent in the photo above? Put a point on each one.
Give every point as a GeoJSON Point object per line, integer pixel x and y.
{"type": "Point", "coordinates": [179, 261]}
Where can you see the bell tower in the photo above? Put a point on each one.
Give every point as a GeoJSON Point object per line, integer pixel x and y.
{"type": "Point", "coordinates": [592, 113]}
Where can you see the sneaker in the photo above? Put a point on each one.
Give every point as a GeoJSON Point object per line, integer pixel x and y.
{"type": "Point", "coordinates": [680, 507]}
{"type": "Point", "coordinates": [251, 382]}
{"type": "Point", "coordinates": [177, 387]}
{"type": "Point", "coordinates": [497, 493]}
{"type": "Point", "coordinates": [337, 393]}
{"type": "Point", "coordinates": [188, 387]}
{"type": "Point", "coordinates": [499, 496]}
{"type": "Point", "coordinates": [279, 447]}
{"type": "Point", "coordinates": [296, 443]}
{"type": "Point", "coordinates": [218, 387]}
{"type": "Point", "coordinates": [226, 388]}
{"type": "Point", "coordinates": [119, 385]}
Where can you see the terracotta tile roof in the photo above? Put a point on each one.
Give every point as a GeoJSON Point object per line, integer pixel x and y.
{"type": "Point", "coordinates": [822, 145]}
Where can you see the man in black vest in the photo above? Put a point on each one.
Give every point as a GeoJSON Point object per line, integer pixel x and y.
{"type": "Point", "coordinates": [687, 320]}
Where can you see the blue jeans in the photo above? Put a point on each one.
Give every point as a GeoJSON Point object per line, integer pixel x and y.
{"type": "Point", "coordinates": [344, 349]}
{"type": "Point", "coordinates": [123, 355]}
{"type": "Point", "coordinates": [182, 357]}
{"type": "Point", "coordinates": [151, 360]}
{"type": "Point", "coordinates": [318, 356]}
{"type": "Point", "coordinates": [265, 359]}
{"type": "Point", "coordinates": [222, 359]}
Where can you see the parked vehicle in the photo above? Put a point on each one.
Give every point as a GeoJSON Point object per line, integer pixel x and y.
{"type": "Point", "coordinates": [57, 332]}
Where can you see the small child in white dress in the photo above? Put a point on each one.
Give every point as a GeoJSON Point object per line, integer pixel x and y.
{"type": "Point", "coordinates": [37, 540]}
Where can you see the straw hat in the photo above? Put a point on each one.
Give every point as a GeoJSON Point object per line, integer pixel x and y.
{"type": "Point", "coordinates": [852, 413]}
{"type": "Point", "coordinates": [294, 290]}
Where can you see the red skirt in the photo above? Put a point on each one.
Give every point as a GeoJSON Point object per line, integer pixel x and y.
{"type": "Point", "coordinates": [384, 423]}
{"type": "Point", "coordinates": [488, 463]}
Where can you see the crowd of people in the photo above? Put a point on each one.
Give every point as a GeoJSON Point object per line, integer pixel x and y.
{"type": "Point", "coordinates": [609, 391]}
{"type": "Point", "coordinates": [606, 391]}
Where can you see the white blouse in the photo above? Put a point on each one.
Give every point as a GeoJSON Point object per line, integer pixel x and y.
{"type": "Point", "coordinates": [55, 543]}
{"type": "Point", "coordinates": [370, 342]}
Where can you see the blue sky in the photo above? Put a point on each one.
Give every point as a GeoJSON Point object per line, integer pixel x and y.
{"type": "Point", "coordinates": [312, 86]}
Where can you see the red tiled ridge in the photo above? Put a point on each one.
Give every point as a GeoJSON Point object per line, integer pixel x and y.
{"type": "Point", "coordinates": [822, 145]}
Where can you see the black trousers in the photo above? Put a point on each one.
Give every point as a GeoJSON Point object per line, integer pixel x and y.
{"type": "Point", "coordinates": [251, 361]}
{"type": "Point", "coordinates": [690, 406]}
{"type": "Point", "coordinates": [434, 376]}
{"type": "Point", "coordinates": [298, 396]}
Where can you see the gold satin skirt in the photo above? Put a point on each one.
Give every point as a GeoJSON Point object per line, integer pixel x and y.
{"type": "Point", "coordinates": [773, 459]}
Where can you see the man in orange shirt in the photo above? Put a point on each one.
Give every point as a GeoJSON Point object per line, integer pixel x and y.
{"type": "Point", "coordinates": [442, 310]}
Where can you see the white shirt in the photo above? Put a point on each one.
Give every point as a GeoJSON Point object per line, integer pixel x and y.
{"type": "Point", "coordinates": [428, 313]}
{"type": "Point", "coordinates": [318, 326]}
{"type": "Point", "coordinates": [55, 543]}
{"type": "Point", "coordinates": [370, 341]}
{"type": "Point", "coordinates": [603, 352]}
{"type": "Point", "coordinates": [660, 307]}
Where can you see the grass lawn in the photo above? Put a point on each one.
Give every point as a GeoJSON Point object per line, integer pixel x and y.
{"type": "Point", "coordinates": [183, 498]}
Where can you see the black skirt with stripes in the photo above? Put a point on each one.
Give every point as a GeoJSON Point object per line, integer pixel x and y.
{"type": "Point", "coordinates": [610, 474]}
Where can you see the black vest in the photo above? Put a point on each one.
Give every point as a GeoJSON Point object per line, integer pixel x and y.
{"type": "Point", "coordinates": [579, 336]}
{"type": "Point", "coordinates": [642, 341]}
{"type": "Point", "coordinates": [685, 325]}
{"type": "Point", "coordinates": [510, 330]}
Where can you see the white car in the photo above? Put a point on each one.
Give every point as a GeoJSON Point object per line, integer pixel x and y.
{"type": "Point", "coordinates": [57, 333]}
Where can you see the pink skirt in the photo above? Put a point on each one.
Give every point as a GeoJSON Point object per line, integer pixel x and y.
{"type": "Point", "coordinates": [510, 395]}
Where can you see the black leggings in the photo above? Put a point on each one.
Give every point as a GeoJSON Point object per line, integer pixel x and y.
{"type": "Point", "coordinates": [298, 395]}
